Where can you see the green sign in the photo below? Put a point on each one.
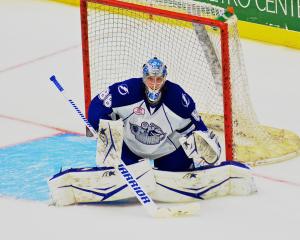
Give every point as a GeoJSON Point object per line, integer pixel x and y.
{"type": "Point", "coordinates": [277, 13]}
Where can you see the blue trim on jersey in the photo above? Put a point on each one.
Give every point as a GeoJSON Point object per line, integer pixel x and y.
{"type": "Point", "coordinates": [167, 118]}
{"type": "Point", "coordinates": [155, 106]}
{"type": "Point", "coordinates": [98, 111]}
{"type": "Point", "coordinates": [172, 143]}
{"type": "Point", "coordinates": [185, 128]}
{"type": "Point", "coordinates": [200, 125]}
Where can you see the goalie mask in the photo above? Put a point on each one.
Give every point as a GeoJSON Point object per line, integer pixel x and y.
{"type": "Point", "coordinates": [154, 77]}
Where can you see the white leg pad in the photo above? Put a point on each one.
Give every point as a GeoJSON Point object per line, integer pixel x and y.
{"type": "Point", "coordinates": [225, 179]}
{"type": "Point", "coordinates": [242, 182]}
{"type": "Point", "coordinates": [86, 185]}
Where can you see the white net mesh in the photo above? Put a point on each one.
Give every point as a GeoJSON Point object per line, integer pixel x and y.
{"type": "Point", "coordinates": [121, 41]}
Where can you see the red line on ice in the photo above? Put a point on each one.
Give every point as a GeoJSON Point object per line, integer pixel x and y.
{"type": "Point", "coordinates": [38, 59]}
{"type": "Point", "coordinates": [277, 180]}
{"type": "Point", "coordinates": [40, 125]}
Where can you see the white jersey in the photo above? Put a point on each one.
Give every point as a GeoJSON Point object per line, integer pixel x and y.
{"type": "Point", "coordinates": [149, 131]}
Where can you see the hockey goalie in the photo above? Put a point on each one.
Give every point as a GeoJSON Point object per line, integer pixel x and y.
{"type": "Point", "coordinates": [153, 125]}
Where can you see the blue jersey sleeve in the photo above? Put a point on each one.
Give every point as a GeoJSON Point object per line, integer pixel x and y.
{"type": "Point", "coordinates": [197, 121]}
{"type": "Point", "coordinates": [99, 109]}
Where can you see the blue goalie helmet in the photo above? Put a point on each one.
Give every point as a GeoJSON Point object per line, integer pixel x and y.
{"type": "Point", "coordinates": [154, 77]}
{"type": "Point", "coordinates": [155, 67]}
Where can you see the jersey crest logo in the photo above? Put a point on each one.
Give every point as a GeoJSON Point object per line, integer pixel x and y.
{"type": "Point", "coordinates": [149, 134]}
{"type": "Point", "coordinates": [123, 89]}
{"type": "Point", "coordinates": [139, 111]}
{"type": "Point", "coordinates": [185, 100]}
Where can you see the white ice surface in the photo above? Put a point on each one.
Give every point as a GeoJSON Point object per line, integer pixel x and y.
{"type": "Point", "coordinates": [38, 39]}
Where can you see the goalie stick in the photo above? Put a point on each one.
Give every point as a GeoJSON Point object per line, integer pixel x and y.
{"type": "Point", "coordinates": [142, 196]}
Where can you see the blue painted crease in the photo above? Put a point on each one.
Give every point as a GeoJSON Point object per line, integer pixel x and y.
{"type": "Point", "coordinates": [26, 168]}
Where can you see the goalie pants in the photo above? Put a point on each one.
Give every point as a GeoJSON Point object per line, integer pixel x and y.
{"type": "Point", "coordinates": [175, 162]}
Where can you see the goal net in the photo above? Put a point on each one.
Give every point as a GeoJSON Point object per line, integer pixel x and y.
{"type": "Point", "coordinates": [203, 55]}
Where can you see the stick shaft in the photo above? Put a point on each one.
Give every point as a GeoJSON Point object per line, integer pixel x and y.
{"type": "Point", "coordinates": [74, 106]}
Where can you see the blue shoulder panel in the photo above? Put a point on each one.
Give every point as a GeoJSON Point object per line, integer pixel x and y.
{"type": "Point", "coordinates": [182, 104]}
{"type": "Point", "coordinates": [175, 98]}
{"type": "Point", "coordinates": [117, 95]}
{"type": "Point", "coordinates": [127, 92]}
